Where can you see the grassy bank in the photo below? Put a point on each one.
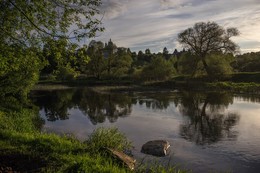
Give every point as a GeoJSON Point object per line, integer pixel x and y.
{"type": "Point", "coordinates": [237, 82]}
{"type": "Point", "coordinates": [25, 148]}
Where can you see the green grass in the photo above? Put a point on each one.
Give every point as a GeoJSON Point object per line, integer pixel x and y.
{"type": "Point", "coordinates": [235, 87]}
{"type": "Point", "coordinates": [108, 138]}
{"type": "Point", "coordinates": [238, 82]}
{"type": "Point", "coordinates": [53, 154]}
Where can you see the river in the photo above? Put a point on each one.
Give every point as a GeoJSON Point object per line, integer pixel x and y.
{"type": "Point", "coordinates": [208, 131]}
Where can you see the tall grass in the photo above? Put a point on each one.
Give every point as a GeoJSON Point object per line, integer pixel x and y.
{"type": "Point", "coordinates": [108, 138]}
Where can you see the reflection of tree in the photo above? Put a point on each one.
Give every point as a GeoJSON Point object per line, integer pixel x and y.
{"type": "Point", "coordinates": [55, 103]}
{"type": "Point", "coordinates": [97, 106]}
{"type": "Point", "coordinates": [155, 101]}
{"type": "Point", "coordinates": [207, 121]}
{"type": "Point", "coordinates": [101, 106]}
{"type": "Point", "coordinates": [249, 98]}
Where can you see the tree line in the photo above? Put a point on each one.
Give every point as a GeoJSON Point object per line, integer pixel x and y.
{"type": "Point", "coordinates": [63, 61]}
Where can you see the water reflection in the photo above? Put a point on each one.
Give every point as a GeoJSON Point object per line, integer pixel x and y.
{"type": "Point", "coordinates": [207, 122]}
{"type": "Point", "coordinates": [55, 103]}
{"type": "Point", "coordinates": [98, 107]}
{"type": "Point", "coordinates": [101, 106]}
{"type": "Point", "coordinates": [156, 101]}
{"type": "Point", "coordinates": [205, 119]}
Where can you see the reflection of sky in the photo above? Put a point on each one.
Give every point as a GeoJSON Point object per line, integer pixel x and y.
{"type": "Point", "coordinates": [78, 124]}
{"type": "Point", "coordinates": [240, 155]}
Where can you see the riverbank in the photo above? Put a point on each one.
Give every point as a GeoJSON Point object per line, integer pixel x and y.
{"type": "Point", "coordinates": [237, 83]}
{"type": "Point", "coordinates": [24, 148]}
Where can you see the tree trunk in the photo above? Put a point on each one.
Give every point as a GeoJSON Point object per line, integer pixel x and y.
{"type": "Point", "coordinates": [206, 67]}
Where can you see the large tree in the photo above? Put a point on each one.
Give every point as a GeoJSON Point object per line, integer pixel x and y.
{"type": "Point", "coordinates": [96, 65]}
{"type": "Point", "coordinates": [206, 38]}
{"type": "Point", "coordinates": [25, 25]}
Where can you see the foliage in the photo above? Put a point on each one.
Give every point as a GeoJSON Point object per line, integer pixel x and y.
{"type": "Point", "coordinates": [27, 25]}
{"type": "Point", "coordinates": [205, 38]}
{"type": "Point", "coordinates": [246, 77]}
{"type": "Point", "coordinates": [235, 87]}
{"type": "Point", "coordinates": [96, 65]}
{"type": "Point", "coordinates": [248, 62]}
{"type": "Point", "coordinates": [120, 64]}
{"type": "Point", "coordinates": [24, 120]}
{"type": "Point", "coordinates": [108, 61]}
{"type": "Point", "coordinates": [66, 73]}
{"type": "Point", "coordinates": [110, 138]}
{"type": "Point", "coordinates": [57, 54]}
{"type": "Point", "coordinates": [19, 70]}
{"type": "Point", "coordinates": [143, 59]}
{"type": "Point", "coordinates": [158, 69]}
{"type": "Point", "coordinates": [188, 64]}
{"type": "Point", "coordinates": [25, 22]}
{"type": "Point", "coordinates": [218, 67]}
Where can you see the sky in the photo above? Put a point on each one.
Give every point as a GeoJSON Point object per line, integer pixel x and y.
{"type": "Point", "coordinates": [155, 24]}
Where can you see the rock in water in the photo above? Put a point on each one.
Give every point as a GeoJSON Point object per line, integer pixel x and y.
{"type": "Point", "coordinates": [158, 148]}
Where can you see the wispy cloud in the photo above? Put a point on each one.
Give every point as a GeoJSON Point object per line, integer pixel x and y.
{"type": "Point", "coordinates": [113, 8]}
{"type": "Point", "coordinates": [155, 24]}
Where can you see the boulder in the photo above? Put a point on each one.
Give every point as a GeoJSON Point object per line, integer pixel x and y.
{"type": "Point", "coordinates": [158, 148]}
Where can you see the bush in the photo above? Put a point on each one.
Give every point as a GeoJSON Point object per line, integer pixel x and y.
{"type": "Point", "coordinates": [158, 69]}
{"type": "Point", "coordinates": [19, 70]}
{"type": "Point", "coordinates": [24, 120]}
{"type": "Point", "coordinates": [220, 64]}
{"type": "Point", "coordinates": [188, 64]}
{"type": "Point", "coordinates": [66, 73]}
{"type": "Point", "coordinates": [108, 138]}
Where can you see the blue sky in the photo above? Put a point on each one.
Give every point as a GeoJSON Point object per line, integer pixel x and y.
{"type": "Point", "coordinates": [155, 24]}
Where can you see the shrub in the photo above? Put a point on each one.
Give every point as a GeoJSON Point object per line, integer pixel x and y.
{"type": "Point", "coordinates": [108, 137]}
{"type": "Point", "coordinates": [66, 73]}
{"type": "Point", "coordinates": [220, 64]}
{"type": "Point", "coordinates": [158, 69]}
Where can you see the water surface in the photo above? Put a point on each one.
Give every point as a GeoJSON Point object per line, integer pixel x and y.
{"type": "Point", "coordinates": [207, 131]}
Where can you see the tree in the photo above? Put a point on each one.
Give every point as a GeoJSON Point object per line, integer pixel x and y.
{"type": "Point", "coordinates": [188, 64]}
{"type": "Point", "coordinates": [147, 52]}
{"type": "Point", "coordinates": [19, 70]}
{"type": "Point", "coordinates": [24, 28]}
{"type": "Point", "coordinates": [59, 54]}
{"type": "Point", "coordinates": [248, 62]}
{"type": "Point", "coordinates": [166, 54]}
{"type": "Point", "coordinates": [205, 38]}
{"type": "Point", "coordinates": [26, 22]}
{"type": "Point", "coordinates": [218, 67]}
{"type": "Point", "coordinates": [109, 51]}
{"type": "Point", "coordinates": [158, 69]}
{"type": "Point", "coordinates": [96, 66]}
{"type": "Point", "coordinates": [121, 63]}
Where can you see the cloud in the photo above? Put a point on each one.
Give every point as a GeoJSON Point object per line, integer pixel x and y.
{"type": "Point", "coordinates": [155, 24]}
{"type": "Point", "coordinates": [167, 4]}
{"type": "Point", "coordinates": [113, 8]}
